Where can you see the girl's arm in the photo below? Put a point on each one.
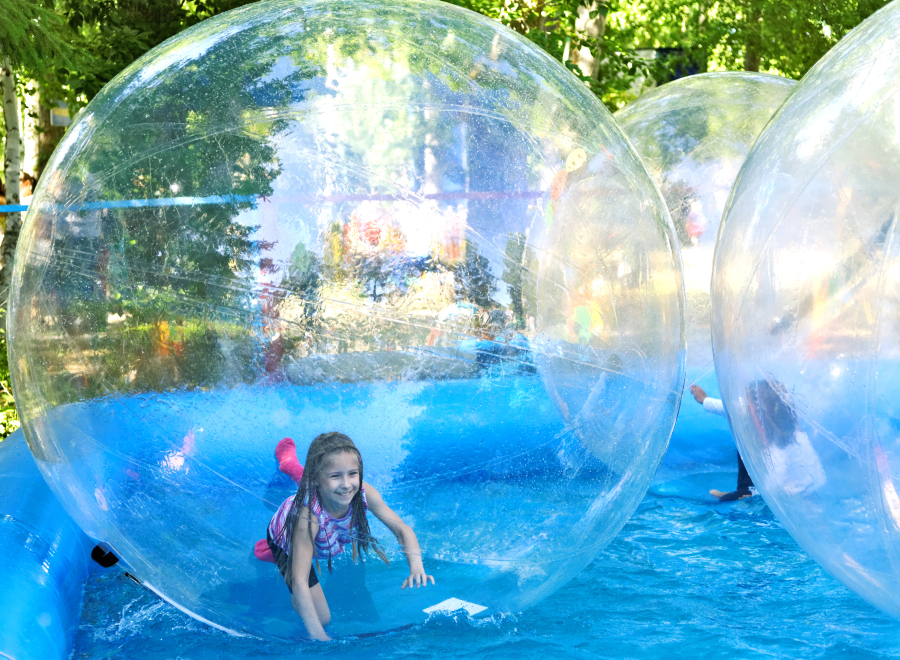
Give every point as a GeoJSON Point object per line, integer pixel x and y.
{"type": "Point", "coordinates": [404, 534]}
{"type": "Point", "coordinates": [301, 563]}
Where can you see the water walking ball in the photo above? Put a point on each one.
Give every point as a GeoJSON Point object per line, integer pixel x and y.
{"type": "Point", "coordinates": [396, 220]}
{"type": "Point", "coordinates": [806, 316]}
{"type": "Point", "coordinates": [694, 134]}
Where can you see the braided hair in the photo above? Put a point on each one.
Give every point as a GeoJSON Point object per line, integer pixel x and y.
{"type": "Point", "coordinates": [322, 447]}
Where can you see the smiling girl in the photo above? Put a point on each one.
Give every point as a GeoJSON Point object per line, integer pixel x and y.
{"type": "Point", "coordinates": [328, 513]}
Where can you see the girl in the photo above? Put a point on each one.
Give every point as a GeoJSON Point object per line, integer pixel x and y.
{"type": "Point", "coordinates": [328, 513]}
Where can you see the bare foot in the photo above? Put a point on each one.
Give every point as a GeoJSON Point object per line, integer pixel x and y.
{"type": "Point", "coordinates": [717, 493]}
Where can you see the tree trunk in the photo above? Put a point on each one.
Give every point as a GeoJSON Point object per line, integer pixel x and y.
{"type": "Point", "coordinates": [432, 166]}
{"type": "Point", "coordinates": [593, 28]}
{"type": "Point", "coordinates": [752, 54]}
{"type": "Point", "coordinates": [48, 136]}
{"type": "Point", "coordinates": [12, 167]}
{"type": "Point", "coordinates": [601, 30]}
{"type": "Point", "coordinates": [30, 130]}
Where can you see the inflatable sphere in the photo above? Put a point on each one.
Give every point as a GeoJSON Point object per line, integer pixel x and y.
{"type": "Point", "coordinates": [693, 135]}
{"type": "Point", "coordinates": [806, 311]}
{"type": "Point", "coordinates": [396, 220]}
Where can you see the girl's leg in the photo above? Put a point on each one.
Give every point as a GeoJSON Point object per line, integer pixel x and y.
{"type": "Point", "coordinates": [318, 598]}
{"type": "Point", "coordinates": [744, 484]}
{"type": "Point", "coordinates": [744, 481]}
{"type": "Point", "coordinates": [286, 454]}
{"type": "Point", "coordinates": [263, 552]}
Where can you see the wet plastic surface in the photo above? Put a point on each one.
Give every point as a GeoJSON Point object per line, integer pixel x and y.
{"type": "Point", "coordinates": [397, 220]}
{"type": "Point", "coordinates": [694, 134]}
{"type": "Point", "coordinates": [687, 577]}
{"type": "Point", "coordinates": [806, 324]}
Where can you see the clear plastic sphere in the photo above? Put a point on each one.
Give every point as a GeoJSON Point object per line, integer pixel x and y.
{"type": "Point", "coordinates": [806, 305]}
{"type": "Point", "coordinates": [398, 220]}
{"type": "Point", "coordinates": [693, 135]}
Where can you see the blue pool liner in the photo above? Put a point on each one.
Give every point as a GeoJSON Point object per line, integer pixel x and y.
{"type": "Point", "coordinates": [45, 562]}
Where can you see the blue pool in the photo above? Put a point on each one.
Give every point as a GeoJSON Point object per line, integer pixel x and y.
{"type": "Point", "coordinates": [687, 577]}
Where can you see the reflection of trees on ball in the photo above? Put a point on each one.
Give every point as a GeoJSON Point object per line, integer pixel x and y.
{"type": "Point", "coordinates": [520, 271]}
{"type": "Point", "coordinates": [693, 134]}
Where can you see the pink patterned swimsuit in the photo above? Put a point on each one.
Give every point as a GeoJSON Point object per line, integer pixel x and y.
{"type": "Point", "coordinates": [333, 534]}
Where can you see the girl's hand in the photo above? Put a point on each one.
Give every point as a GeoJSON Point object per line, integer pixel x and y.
{"type": "Point", "coordinates": [404, 533]}
{"type": "Point", "coordinates": [417, 578]}
{"type": "Point", "coordinates": [699, 394]}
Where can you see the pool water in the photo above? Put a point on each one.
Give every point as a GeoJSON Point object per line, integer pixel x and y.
{"type": "Point", "coordinates": [687, 577]}
{"type": "Point", "coordinates": [508, 501]}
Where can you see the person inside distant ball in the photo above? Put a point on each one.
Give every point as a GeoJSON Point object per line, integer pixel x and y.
{"type": "Point", "coordinates": [744, 487]}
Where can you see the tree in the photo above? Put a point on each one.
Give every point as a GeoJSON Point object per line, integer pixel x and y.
{"type": "Point", "coordinates": [70, 49]}
{"type": "Point", "coordinates": [601, 40]}
{"type": "Point", "coordinates": [11, 152]}
{"type": "Point", "coordinates": [473, 279]}
{"type": "Point", "coordinates": [580, 35]}
{"type": "Point", "coordinates": [520, 275]}
{"type": "Point", "coordinates": [182, 278]}
{"type": "Point", "coordinates": [227, 150]}
{"type": "Point", "coordinates": [732, 35]}
{"type": "Point", "coordinates": [117, 32]}
{"type": "Point", "coordinates": [32, 38]}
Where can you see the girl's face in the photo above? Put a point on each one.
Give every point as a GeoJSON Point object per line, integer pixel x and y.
{"type": "Point", "coordinates": [338, 482]}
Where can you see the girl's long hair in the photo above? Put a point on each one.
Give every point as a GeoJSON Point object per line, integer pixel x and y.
{"type": "Point", "coordinates": [779, 420]}
{"type": "Point", "coordinates": [323, 446]}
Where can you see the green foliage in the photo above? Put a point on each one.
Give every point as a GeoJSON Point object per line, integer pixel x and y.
{"type": "Point", "coordinates": [133, 300]}
{"type": "Point", "coordinates": [174, 330]}
{"type": "Point", "coordinates": [114, 33]}
{"type": "Point", "coordinates": [554, 27]}
{"type": "Point", "coordinates": [733, 35]}
{"type": "Point", "coordinates": [690, 36]}
{"type": "Point", "coordinates": [74, 47]}
{"type": "Point", "coordinates": [34, 36]}
{"type": "Point", "coordinates": [9, 418]}
{"type": "Point", "coordinates": [141, 357]}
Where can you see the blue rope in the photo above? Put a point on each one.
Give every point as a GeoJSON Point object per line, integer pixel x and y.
{"type": "Point", "coordinates": [136, 203]}
{"type": "Point", "coordinates": [252, 199]}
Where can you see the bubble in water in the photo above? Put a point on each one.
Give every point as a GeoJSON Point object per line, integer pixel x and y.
{"type": "Point", "coordinates": [694, 134]}
{"type": "Point", "coordinates": [805, 304]}
{"type": "Point", "coordinates": [396, 220]}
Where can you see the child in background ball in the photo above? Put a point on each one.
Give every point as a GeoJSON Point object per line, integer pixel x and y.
{"type": "Point", "coordinates": [795, 465]}
{"type": "Point", "coordinates": [745, 487]}
{"type": "Point", "coordinates": [328, 513]}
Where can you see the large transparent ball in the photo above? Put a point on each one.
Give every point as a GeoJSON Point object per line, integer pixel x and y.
{"type": "Point", "coordinates": [806, 304]}
{"type": "Point", "coordinates": [693, 135]}
{"type": "Point", "coordinates": [398, 220]}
